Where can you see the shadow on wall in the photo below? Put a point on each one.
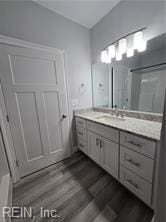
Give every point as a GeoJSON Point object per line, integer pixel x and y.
{"type": "Point", "coordinates": [160, 213]}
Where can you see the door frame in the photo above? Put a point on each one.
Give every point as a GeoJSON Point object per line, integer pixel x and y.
{"type": "Point", "coordinates": [8, 141]}
{"type": "Point", "coordinates": [5, 40]}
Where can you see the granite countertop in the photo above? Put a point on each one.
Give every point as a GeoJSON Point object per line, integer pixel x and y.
{"type": "Point", "coordinates": [145, 128]}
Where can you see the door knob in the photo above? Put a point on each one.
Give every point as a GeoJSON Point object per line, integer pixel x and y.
{"type": "Point", "coordinates": [64, 116]}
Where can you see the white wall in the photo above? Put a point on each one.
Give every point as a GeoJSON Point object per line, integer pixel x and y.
{"type": "Point", "coordinates": [128, 16]}
{"type": "Point", "coordinates": [31, 22]}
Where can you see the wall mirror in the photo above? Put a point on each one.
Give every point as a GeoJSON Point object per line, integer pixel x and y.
{"type": "Point", "coordinates": [135, 83]}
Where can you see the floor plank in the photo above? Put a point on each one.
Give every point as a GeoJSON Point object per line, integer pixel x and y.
{"type": "Point", "coordinates": [107, 215]}
{"type": "Point", "coordinates": [80, 191]}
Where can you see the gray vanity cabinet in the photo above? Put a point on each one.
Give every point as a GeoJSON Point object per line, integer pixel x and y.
{"type": "Point", "coordinates": [107, 146]}
{"type": "Point", "coordinates": [81, 135]}
{"type": "Point", "coordinates": [100, 143]}
{"type": "Point", "coordinates": [94, 149]}
{"type": "Point", "coordinates": [127, 157]}
{"type": "Point", "coordinates": [137, 165]}
{"type": "Point", "coordinates": [104, 151]}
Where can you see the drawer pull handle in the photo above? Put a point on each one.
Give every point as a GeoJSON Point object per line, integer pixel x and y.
{"type": "Point", "coordinates": [80, 133]}
{"type": "Point", "coordinates": [133, 162]}
{"type": "Point", "coordinates": [133, 184]}
{"type": "Point", "coordinates": [134, 143]}
{"type": "Point", "coordinates": [80, 122]}
{"type": "Point", "coordinates": [97, 141]}
{"type": "Point", "coordinates": [81, 145]}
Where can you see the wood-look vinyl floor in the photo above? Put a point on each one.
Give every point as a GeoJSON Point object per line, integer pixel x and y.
{"type": "Point", "coordinates": [80, 191]}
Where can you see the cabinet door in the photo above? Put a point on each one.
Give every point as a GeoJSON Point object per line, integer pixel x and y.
{"type": "Point", "coordinates": [109, 156]}
{"type": "Point", "coordinates": [94, 146]}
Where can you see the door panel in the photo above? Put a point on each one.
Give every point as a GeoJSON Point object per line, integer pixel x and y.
{"type": "Point", "coordinates": [35, 93]}
{"type": "Point", "coordinates": [27, 111]}
{"type": "Point", "coordinates": [27, 70]}
{"type": "Point", "coordinates": [94, 146]}
{"type": "Point", "coordinates": [109, 156]}
{"type": "Point", "coordinates": [53, 120]}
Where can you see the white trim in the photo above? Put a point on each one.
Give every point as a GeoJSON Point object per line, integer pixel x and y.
{"type": "Point", "coordinates": [7, 137]}
{"type": "Point", "coordinates": [9, 149]}
{"type": "Point", "coordinates": [6, 195]}
{"type": "Point", "coordinates": [25, 44]}
{"type": "Point", "coordinates": [68, 99]}
{"type": "Point", "coordinates": [75, 149]}
{"type": "Point", "coordinates": [152, 219]}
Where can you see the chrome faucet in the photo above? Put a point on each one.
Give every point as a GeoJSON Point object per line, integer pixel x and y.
{"type": "Point", "coordinates": [116, 111]}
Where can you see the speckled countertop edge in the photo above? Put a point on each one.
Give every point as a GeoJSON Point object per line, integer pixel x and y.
{"type": "Point", "coordinates": [155, 136]}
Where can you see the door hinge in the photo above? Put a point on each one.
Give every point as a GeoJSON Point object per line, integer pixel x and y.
{"type": "Point", "coordinates": [17, 163]}
{"type": "Point", "coordinates": [7, 118]}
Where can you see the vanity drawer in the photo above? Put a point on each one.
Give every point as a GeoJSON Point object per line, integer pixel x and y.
{"type": "Point", "coordinates": [141, 165]}
{"type": "Point", "coordinates": [80, 122]}
{"type": "Point", "coordinates": [138, 144]}
{"type": "Point", "coordinates": [135, 184]}
{"type": "Point", "coordinates": [82, 145]}
{"type": "Point", "coordinates": [104, 131]}
{"type": "Point", "coordinates": [81, 132]}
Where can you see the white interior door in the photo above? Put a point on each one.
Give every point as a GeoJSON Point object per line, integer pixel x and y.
{"type": "Point", "coordinates": [35, 93]}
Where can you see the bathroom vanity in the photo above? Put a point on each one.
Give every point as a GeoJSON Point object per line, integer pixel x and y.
{"type": "Point", "coordinates": [125, 147]}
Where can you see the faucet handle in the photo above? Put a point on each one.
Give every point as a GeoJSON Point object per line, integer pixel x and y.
{"type": "Point", "coordinates": [114, 106]}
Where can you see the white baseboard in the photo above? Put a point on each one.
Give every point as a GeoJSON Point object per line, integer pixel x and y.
{"type": "Point", "coordinates": [75, 149]}
{"type": "Point", "coordinates": [6, 189]}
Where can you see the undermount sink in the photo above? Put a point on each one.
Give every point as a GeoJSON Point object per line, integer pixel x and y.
{"type": "Point", "coordinates": [110, 119]}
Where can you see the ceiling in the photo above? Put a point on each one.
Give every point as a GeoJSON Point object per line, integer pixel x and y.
{"type": "Point", "coordinates": [83, 12]}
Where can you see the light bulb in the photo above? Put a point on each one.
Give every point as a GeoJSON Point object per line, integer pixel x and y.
{"type": "Point", "coordinates": [122, 46]}
{"type": "Point", "coordinates": [111, 51]}
{"type": "Point", "coordinates": [108, 60]}
{"type": "Point", "coordinates": [104, 56]}
{"type": "Point", "coordinates": [118, 56]}
{"type": "Point", "coordinates": [130, 52]}
{"type": "Point", "coordinates": [137, 39]}
{"type": "Point", "coordinates": [142, 46]}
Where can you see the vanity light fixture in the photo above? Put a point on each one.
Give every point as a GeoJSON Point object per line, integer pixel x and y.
{"type": "Point", "coordinates": [130, 52]}
{"type": "Point", "coordinates": [118, 56]}
{"type": "Point", "coordinates": [142, 46]}
{"type": "Point", "coordinates": [122, 46]}
{"type": "Point", "coordinates": [137, 39]}
{"type": "Point", "coordinates": [108, 60]}
{"type": "Point", "coordinates": [111, 51]}
{"type": "Point", "coordinates": [139, 43]}
{"type": "Point", "coordinates": [104, 56]}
